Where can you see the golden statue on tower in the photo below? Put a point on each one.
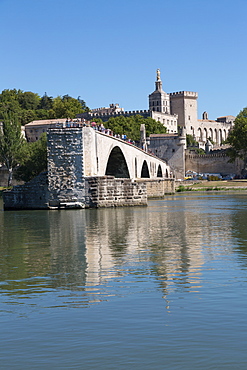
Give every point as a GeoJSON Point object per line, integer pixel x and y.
{"type": "Point", "coordinates": [158, 75]}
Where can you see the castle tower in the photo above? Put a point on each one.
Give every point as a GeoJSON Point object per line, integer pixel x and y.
{"type": "Point", "coordinates": [159, 100]}
{"type": "Point", "coordinates": [184, 104]}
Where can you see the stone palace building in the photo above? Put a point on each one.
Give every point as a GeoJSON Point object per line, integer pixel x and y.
{"type": "Point", "coordinates": [174, 110]}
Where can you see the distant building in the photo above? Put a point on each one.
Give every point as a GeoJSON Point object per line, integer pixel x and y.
{"type": "Point", "coordinates": [159, 109]}
{"type": "Point", "coordinates": [35, 129]}
{"type": "Point", "coordinates": [174, 110]}
{"type": "Point", "coordinates": [113, 109]}
{"type": "Point", "coordinates": [170, 148]}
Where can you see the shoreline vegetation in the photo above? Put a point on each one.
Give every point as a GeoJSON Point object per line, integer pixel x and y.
{"type": "Point", "coordinates": [205, 185]}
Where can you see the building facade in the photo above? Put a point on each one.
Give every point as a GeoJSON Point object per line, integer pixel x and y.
{"type": "Point", "coordinates": [176, 110]}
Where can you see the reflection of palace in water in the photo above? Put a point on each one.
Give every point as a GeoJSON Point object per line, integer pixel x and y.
{"type": "Point", "coordinates": [83, 250]}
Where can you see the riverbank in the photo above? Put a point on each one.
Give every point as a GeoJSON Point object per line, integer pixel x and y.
{"type": "Point", "coordinates": [204, 185]}
{"type": "Point", "coordinates": [2, 188]}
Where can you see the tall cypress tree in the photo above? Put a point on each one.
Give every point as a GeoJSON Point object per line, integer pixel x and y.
{"type": "Point", "coordinates": [11, 141]}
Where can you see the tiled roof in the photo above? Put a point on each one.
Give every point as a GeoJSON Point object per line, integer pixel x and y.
{"type": "Point", "coordinates": [46, 122]}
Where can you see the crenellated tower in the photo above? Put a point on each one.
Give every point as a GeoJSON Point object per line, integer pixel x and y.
{"type": "Point", "coordinates": [184, 104]}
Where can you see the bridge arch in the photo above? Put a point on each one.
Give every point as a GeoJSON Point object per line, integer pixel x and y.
{"type": "Point", "coordinates": [116, 164]}
{"type": "Point", "coordinates": [145, 170]}
{"type": "Point", "coordinates": [159, 172]}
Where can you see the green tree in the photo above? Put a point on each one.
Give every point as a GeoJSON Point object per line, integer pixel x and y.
{"type": "Point", "coordinates": [237, 138]}
{"type": "Point", "coordinates": [11, 142]}
{"type": "Point", "coordinates": [46, 102]}
{"type": "Point", "coordinates": [9, 102]}
{"type": "Point", "coordinates": [28, 100]}
{"type": "Point", "coordinates": [67, 107]}
{"type": "Point", "coordinates": [83, 104]}
{"type": "Point", "coordinates": [190, 141]}
{"type": "Point", "coordinates": [34, 160]}
{"type": "Point", "coordinates": [130, 126]}
{"type": "Point", "coordinates": [29, 106]}
{"type": "Point", "coordinates": [44, 114]}
{"type": "Point", "coordinates": [26, 116]}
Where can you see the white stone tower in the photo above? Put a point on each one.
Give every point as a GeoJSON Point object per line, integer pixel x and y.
{"type": "Point", "coordinates": [159, 100]}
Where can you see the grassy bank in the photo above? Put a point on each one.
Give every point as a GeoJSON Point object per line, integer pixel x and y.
{"type": "Point", "coordinates": [233, 185]}
{"type": "Point", "coordinates": [2, 188]}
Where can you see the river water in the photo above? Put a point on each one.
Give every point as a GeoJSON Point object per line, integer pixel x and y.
{"type": "Point", "coordinates": [157, 287]}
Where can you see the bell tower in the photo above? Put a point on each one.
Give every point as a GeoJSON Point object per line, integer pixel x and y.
{"type": "Point", "coordinates": [159, 100]}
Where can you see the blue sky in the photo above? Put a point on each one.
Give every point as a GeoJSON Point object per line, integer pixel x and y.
{"type": "Point", "coordinates": [108, 51]}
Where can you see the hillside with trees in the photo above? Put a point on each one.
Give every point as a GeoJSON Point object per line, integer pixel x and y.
{"type": "Point", "coordinates": [19, 108]}
{"type": "Point", "coordinates": [28, 106]}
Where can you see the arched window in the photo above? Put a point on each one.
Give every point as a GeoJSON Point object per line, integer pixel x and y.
{"type": "Point", "coordinates": [211, 135]}
{"type": "Point", "coordinates": [200, 134]}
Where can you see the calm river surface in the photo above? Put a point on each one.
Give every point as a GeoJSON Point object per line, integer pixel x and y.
{"type": "Point", "coordinates": [157, 287]}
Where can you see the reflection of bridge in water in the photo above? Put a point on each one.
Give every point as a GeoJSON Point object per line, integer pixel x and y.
{"type": "Point", "coordinates": [93, 253]}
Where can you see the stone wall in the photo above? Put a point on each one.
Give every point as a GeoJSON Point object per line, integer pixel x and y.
{"type": "Point", "coordinates": [170, 148]}
{"type": "Point", "coordinates": [108, 191]}
{"type": "Point", "coordinates": [32, 195]}
{"type": "Point", "coordinates": [159, 188]}
{"type": "Point", "coordinates": [65, 166]}
{"type": "Point", "coordinates": [107, 115]}
{"type": "Point", "coordinates": [212, 163]}
{"type": "Point", "coordinates": [102, 191]}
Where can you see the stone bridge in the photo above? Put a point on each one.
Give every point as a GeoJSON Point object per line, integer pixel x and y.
{"type": "Point", "coordinates": [106, 155]}
{"type": "Point", "coordinates": [84, 163]}
{"type": "Point", "coordinates": [87, 168]}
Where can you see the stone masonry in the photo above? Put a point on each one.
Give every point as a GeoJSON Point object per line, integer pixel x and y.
{"type": "Point", "coordinates": [65, 167]}
{"type": "Point", "coordinates": [107, 191]}
{"type": "Point", "coordinates": [213, 163]}
{"type": "Point", "coordinates": [32, 195]}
